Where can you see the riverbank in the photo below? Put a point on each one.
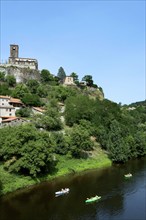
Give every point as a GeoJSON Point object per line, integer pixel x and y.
{"type": "Point", "coordinates": [11, 182]}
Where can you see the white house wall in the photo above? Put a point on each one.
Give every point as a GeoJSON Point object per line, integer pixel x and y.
{"type": "Point", "coordinates": [7, 112]}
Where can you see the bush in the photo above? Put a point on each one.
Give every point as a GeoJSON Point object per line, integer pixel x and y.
{"type": "Point", "coordinates": [23, 112]}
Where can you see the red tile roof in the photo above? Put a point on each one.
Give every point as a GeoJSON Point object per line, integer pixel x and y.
{"type": "Point", "coordinates": [10, 119]}
{"type": "Point", "coordinates": [13, 100]}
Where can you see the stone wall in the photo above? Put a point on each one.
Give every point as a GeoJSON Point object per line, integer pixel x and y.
{"type": "Point", "coordinates": [21, 74]}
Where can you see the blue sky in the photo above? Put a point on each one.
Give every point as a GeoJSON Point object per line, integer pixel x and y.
{"type": "Point", "coordinates": [105, 39]}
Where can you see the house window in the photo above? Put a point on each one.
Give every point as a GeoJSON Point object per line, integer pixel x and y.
{"type": "Point", "coordinates": [10, 114]}
{"type": "Point", "coordinates": [2, 103]}
{"type": "Point", "coordinates": [10, 110]}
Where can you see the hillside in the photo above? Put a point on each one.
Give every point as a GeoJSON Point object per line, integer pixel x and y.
{"type": "Point", "coordinates": [136, 104]}
{"type": "Point", "coordinates": [78, 129]}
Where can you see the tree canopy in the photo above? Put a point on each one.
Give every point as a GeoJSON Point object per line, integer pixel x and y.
{"type": "Point", "coordinates": [61, 73]}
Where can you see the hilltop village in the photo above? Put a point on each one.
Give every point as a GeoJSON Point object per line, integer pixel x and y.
{"type": "Point", "coordinates": [52, 125]}
{"type": "Point", "coordinates": [23, 70]}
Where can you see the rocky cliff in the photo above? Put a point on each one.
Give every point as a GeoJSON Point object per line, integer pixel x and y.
{"type": "Point", "coordinates": [21, 74]}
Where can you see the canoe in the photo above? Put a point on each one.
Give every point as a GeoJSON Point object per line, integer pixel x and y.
{"type": "Point", "coordinates": [128, 175]}
{"type": "Point", "coordinates": [62, 192]}
{"type": "Point", "coordinates": [93, 199]}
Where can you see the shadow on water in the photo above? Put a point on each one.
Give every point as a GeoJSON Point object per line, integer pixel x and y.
{"type": "Point", "coordinates": [118, 196]}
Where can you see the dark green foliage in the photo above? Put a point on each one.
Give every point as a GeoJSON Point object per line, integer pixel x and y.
{"type": "Point", "coordinates": [4, 90]}
{"type": "Point", "coordinates": [116, 144]}
{"type": "Point", "coordinates": [88, 126]}
{"type": "Point", "coordinates": [77, 108]}
{"type": "Point", "coordinates": [31, 99]}
{"type": "Point", "coordinates": [101, 134]}
{"type": "Point", "coordinates": [42, 91]}
{"type": "Point", "coordinates": [11, 80]}
{"type": "Point", "coordinates": [1, 187]}
{"type": "Point", "coordinates": [2, 77]}
{"type": "Point", "coordinates": [61, 93]}
{"type": "Point", "coordinates": [75, 77]}
{"type": "Point", "coordinates": [46, 76]}
{"type": "Point", "coordinates": [26, 150]}
{"type": "Point", "coordinates": [119, 130]}
{"type": "Point", "coordinates": [140, 143]}
{"type": "Point", "coordinates": [88, 79]}
{"type": "Point", "coordinates": [80, 141]}
{"type": "Point", "coordinates": [23, 112]}
{"type": "Point", "coordinates": [61, 74]}
{"type": "Point", "coordinates": [50, 120]}
{"type": "Point", "coordinates": [32, 85]}
{"type": "Point", "coordinates": [136, 104]}
{"type": "Point", "coordinates": [20, 90]}
{"type": "Point", "coordinates": [61, 143]}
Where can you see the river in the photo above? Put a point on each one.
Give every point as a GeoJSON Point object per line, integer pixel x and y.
{"type": "Point", "coordinates": [121, 199]}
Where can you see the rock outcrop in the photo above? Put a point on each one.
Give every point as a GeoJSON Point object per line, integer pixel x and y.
{"type": "Point", "coordinates": [21, 74]}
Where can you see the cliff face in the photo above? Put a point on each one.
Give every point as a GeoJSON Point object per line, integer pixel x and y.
{"type": "Point", "coordinates": [94, 93]}
{"type": "Point", "coordinates": [21, 74]}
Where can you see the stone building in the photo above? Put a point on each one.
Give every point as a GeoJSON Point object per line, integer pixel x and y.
{"type": "Point", "coordinates": [15, 60]}
{"type": "Point", "coordinates": [12, 121]}
{"type": "Point", "coordinates": [9, 105]}
{"type": "Point", "coordinates": [68, 81]}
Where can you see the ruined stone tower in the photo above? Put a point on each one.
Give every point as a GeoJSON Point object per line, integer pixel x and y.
{"type": "Point", "coordinates": [15, 60]}
{"type": "Point", "coordinates": [14, 51]}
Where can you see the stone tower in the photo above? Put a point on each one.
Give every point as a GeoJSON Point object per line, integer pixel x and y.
{"type": "Point", "coordinates": [14, 51]}
{"type": "Point", "coordinates": [15, 60]}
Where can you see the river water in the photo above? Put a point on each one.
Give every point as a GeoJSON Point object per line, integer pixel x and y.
{"type": "Point", "coordinates": [121, 199]}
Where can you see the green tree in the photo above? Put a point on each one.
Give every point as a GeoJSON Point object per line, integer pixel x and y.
{"type": "Point", "coordinates": [31, 100]}
{"type": "Point", "coordinates": [29, 152]}
{"type": "Point", "coordinates": [50, 120]}
{"type": "Point", "coordinates": [118, 148]}
{"type": "Point", "coordinates": [75, 77]}
{"type": "Point", "coordinates": [61, 143]}
{"type": "Point", "coordinates": [11, 80]}
{"type": "Point", "coordinates": [20, 90]}
{"type": "Point", "coordinates": [101, 134]}
{"type": "Point", "coordinates": [140, 143]}
{"type": "Point", "coordinates": [77, 108]}
{"type": "Point", "coordinates": [4, 90]}
{"type": "Point", "coordinates": [2, 76]}
{"type": "Point", "coordinates": [61, 73]}
{"type": "Point", "coordinates": [80, 141]}
{"type": "Point", "coordinates": [33, 85]}
{"type": "Point", "coordinates": [46, 76]}
{"type": "Point", "coordinates": [88, 79]}
{"type": "Point", "coordinates": [42, 91]}
{"type": "Point", "coordinates": [23, 112]}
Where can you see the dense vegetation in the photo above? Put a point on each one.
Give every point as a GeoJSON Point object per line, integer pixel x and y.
{"type": "Point", "coordinates": [35, 148]}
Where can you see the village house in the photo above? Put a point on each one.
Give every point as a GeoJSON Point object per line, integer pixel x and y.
{"type": "Point", "coordinates": [69, 81]}
{"type": "Point", "coordinates": [8, 107]}
{"type": "Point", "coordinates": [11, 121]}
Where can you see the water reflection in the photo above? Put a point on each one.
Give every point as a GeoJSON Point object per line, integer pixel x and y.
{"type": "Point", "coordinates": [119, 200]}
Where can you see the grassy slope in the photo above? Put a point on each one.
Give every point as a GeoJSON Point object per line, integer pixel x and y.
{"type": "Point", "coordinates": [66, 165]}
